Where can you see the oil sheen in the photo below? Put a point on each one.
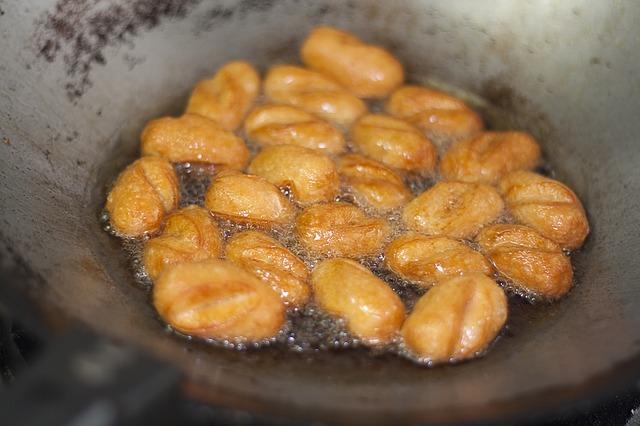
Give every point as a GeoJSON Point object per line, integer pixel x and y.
{"type": "Point", "coordinates": [308, 328]}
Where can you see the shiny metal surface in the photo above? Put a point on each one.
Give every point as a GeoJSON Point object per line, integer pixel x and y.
{"type": "Point", "coordinates": [567, 71]}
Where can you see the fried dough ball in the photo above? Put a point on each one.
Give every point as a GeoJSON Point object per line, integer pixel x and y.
{"type": "Point", "coordinates": [430, 260]}
{"type": "Point", "coordinates": [346, 289]}
{"type": "Point", "coordinates": [454, 209]}
{"type": "Point", "coordinates": [366, 70]}
{"type": "Point", "coordinates": [393, 142]}
{"type": "Point", "coordinates": [456, 320]}
{"type": "Point", "coordinates": [228, 96]}
{"type": "Point", "coordinates": [372, 183]}
{"type": "Point", "coordinates": [269, 125]}
{"type": "Point", "coordinates": [216, 299]}
{"type": "Point", "coordinates": [435, 113]}
{"type": "Point", "coordinates": [247, 199]}
{"type": "Point", "coordinates": [314, 93]}
{"type": "Point", "coordinates": [546, 205]}
{"type": "Point", "coordinates": [193, 138]}
{"type": "Point", "coordinates": [309, 174]}
{"type": "Point", "coordinates": [189, 234]}
{"type": "Point", "coordinates": [532, 263]}
{"type": "Point", "coordinates": [143, 193]}
{"type": "Point", "coordinates": [273, 263]}
{"type": "Point", "coordinates": [489, 156]}
{"type": "Point", "coordinates": [340, 229]}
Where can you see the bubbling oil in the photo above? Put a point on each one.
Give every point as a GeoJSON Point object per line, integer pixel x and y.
{"type": "Point", "coordinates": [309, 329]}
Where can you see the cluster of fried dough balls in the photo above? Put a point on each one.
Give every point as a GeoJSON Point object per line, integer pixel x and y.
{"type": "Point", "coordinates": [429, 260]}
{"type": "Point", "coordinates": [437, 114]}
{"type": "Point", "coordinates": [273, 263]}
{"type": "Point", "coordinates": [286, 125]}
{"type": "Point", "coordinates": [247, 199]}
{"type": "Point", "coordinates": [546, 205]}
{"type": "Point", "coordinates": [531, 262]}
{"type": "Point", "coordinates": [456, 320]}
{"type": "Point", "coordinates": [366, 70]}
{"type": "Point", "coordinates": [189, 234]}
{"type": "Point", "coordinates": [373, 312]}
{"type": "Point", "coordinates": [373, 184]}
{"type": "Point", "coordinates": [341, 229]}
{"type": "Point", "coordinates": [489, 156]}
{"type": "Point", "coordinates": [329, 186]}
{"type": "Point", "coordinates": [310, 175]}
{"type": "Point", "coordinates": [228, 96]}
{"type": "Point", "coordinates": [454, 209]}
{"type": "Point", "coordinates": [214, 298]}
{"type": "Point", "coordinates": [193, 138]}
{"type": "Point", "coordinates": [314, 93]}
{"type": "Point", "coordinates": [141, 197]}
{"type": "Point", "coordinates": [393, 142]}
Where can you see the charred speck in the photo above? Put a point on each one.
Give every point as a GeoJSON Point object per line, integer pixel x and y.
{"type": "Point", "coordinates": [320, 11]}
{"type": "Point", "coordinates": [72, 136]}
{"type": "Point", "coordinates": [257, 5]}
{"type": "Point", "coordinates": [99, 58]}
{"type": "Point", "coordinates": [545, 170]}
{"type": "Point", "coordinates": [223, 13]}
{"type": "Point", "coordinates": [132, 61]}
{"type": "Point", "coordinates": [500, 95]}
{"type": "Point", "coordinates": [220, 12]}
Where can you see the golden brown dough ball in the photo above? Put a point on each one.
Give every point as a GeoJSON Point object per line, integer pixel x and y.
{"type": "Point", "coordinates": [430, 260]}
{"type": "Point", "coordinates": [393, 142]}
{"type": "Point", "coordinates": [269, 125]}
{"type": "Point", "coordinates": [531, 262]}
{"type": "Point", "coordinates": [546, 205]}
{"type": "Point", "coordinates": [348, 290]}
{"type": "Point", "coordinates": [489, 156]}
{"type": "Point", "coordinates": [189, 234]}
{"type": "Point", "coordinates": [435, 113]}
{"type": "Point", "coordinates": [456, 319]}
{"type": "Point", "coordinates": [193, 138]}
{"type": "Point", "coordinates": [273, 263]}
{"type": "Point", "coordinates": [314, 93]}
{"type": "Point", "coordinates": [372, 183]}
{"type": "Point", "coordinates": [247, 199]}
{"type": "Point", "coordinates": [340, 229]}
{"type": "Point", "coordinates": [310, 174]}
{"type": "Point", "coordinates": [216, 299]}
{"type": "Point", "coordinates": [366, 70]}
{"type": "Point", "coordinates": [453, 209]}
{"type": "Point", "coordinates": [228, 96]}
{"type": "Point", "coordinates": [143, 193]}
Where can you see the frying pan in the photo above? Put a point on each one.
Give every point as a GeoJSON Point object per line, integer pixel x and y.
{"type": "Point", "coordinates": [79, 79]}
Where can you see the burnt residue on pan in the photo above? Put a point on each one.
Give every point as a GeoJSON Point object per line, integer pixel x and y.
{"type": "Point", "coordinates": [218, 13]}
{"type": "Point", "coordinates": [78, 31]}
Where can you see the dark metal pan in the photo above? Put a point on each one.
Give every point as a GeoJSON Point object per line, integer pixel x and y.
{"type": "Point", "coordinates": [79, 79]}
